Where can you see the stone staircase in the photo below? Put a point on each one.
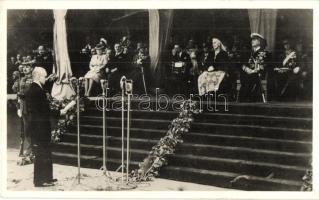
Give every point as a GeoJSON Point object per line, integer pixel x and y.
{"type": "Point", "coordinates": [249, 147]}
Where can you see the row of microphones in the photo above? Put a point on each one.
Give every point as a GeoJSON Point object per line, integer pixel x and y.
{"type": "Point", "coordinates": [73, 79]}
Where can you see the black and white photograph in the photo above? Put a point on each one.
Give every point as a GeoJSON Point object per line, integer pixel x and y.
{"type": "Point", "coordinates": [159, 99]}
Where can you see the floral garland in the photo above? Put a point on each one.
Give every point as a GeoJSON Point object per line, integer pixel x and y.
{"type": "Point", "coordinates": [307, 179]}
{"type": "Point", "coordinates": [157, 157]}
{"type": "Point", "coordinates": [63, 121]}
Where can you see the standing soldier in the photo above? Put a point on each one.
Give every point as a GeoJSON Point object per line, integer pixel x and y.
{"type": "Point", "coordinates": [254, 70]}
{"type": "Point", "coordinates": [20, 87]}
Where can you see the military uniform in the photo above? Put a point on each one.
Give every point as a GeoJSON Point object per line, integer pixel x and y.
{"type": "Point", "coordinates": [21, 87]}
{"type": "Point", "coordinates": [253, 71]}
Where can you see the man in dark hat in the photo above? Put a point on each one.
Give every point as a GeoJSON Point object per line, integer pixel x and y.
{"type": "Point", "coordinates": [254, 70]}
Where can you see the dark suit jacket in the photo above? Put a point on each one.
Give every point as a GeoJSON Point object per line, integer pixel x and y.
{"type": "Point", "coordinates": [39, 113]}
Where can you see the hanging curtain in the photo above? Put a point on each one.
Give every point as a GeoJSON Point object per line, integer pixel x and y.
{"type": "Point", "coordinates": [61, 88]}
{"type": "Point", "coordinates": [160, 25]}
{"type": "Point", "coordinates": [154, 39]}
{"type": "Point", "coordinates": [263, 21]}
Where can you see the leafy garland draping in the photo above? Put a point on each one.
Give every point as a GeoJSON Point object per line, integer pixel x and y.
{"type": "Point", "coordinates": [63, 121]}
{"type": "Point", "coordinates": [157, 158]}
{"type": "Point", "coordinates": [307, 179]}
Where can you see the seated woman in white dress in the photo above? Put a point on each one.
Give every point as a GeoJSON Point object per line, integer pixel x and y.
{"type": "Point", "coordinates": [97, 65]}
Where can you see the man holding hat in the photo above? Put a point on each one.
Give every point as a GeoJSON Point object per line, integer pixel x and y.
{"type": "Point", "coordinates": [253, 71]}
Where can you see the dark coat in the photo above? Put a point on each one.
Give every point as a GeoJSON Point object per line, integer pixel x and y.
{"type": "Point", "coordinates": [45, 61]}
{"type": "Point", "coordinates": [221, 61]}
{"type": "Point", "coordinates": [181, 57]}
{"type": "Point", "coordinates": [206, 61]}
{"type": "Point", "coordinates": [121, 62]}
{"type": "Point", "coordinates": [39, 113]}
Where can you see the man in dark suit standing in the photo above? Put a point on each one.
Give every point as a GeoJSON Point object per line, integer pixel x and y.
{"type": "Point", "coordinates": [39, 119]}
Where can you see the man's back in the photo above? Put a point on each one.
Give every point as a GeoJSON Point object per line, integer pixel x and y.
{"type": "Point", "coordinates": [39, 114]}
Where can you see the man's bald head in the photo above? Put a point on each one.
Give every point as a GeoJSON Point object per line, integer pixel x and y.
{"type": "Point", "coordinates": [39, 74]}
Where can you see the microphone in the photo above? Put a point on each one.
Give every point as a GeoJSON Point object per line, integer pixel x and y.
{"type": "Point", "coordinates": [122, 81]}
{"type": "Point", "coordinates": [72, 78]}
{"type": "Point", "coordinates": [103, 83]}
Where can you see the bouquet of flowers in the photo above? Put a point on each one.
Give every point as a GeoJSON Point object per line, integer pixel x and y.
{"type": "Point", "coordinates": [63, 122]}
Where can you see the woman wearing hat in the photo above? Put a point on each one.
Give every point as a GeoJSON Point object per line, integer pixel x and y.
{"type": "Point", "coordinates": [97, 64]}
{"type": "Point", "coordinates": [217, 70]}
{"type": "Point", "coordinates": [221, 63]}
{"type": "Point", "coordinates": [251, 88]}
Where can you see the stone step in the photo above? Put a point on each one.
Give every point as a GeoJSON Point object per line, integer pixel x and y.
{"type": "Point", "coordinates": [213, 117]}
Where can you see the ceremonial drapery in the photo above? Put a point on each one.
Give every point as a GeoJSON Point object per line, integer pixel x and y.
{"type": "Point", "coordinates": [263, 21]}
{"type": "Point", "coordinates": [160, 25]}
{"type": "Point", "coordinates": [61, 88]}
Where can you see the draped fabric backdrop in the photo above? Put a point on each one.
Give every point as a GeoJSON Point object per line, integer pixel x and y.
{"type": "Point", "coordinates": [61, 88]}
{"type": "Point", "coordinates": [160, 26]}
{"type": "Point", "coordinates": [263, 21]}
{"type": "Point", "coordinates": [154, 41]}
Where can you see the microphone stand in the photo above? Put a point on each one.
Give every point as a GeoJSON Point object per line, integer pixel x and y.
{"type": "Point", "coordinates": [129, 91]}
{"type": "Point", "coordinates": [78, 82]}
{"type": "Point", "coordinates": [78, 126]}
{"type": "Point", "coordinates": [122, 85]}
{"type": "Point", "coordinates": [104, 85]}
{"type": "Point", "coordinates": [143, 79]}
{"type": "Point", "coordinates": [127, 87]}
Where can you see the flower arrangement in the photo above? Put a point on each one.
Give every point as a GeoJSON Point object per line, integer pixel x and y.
{"type": "Point", "coordinates": [63, 122]}
{"type": "Point", "coordinates": [307, 179]}
{"type": "Point", "coordinates": [157, 157]}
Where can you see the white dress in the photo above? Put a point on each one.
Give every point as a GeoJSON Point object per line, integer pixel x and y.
{"type": "Point", "coordinates": [97, 65]}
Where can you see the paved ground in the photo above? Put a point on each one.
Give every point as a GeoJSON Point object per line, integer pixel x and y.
{"type": "Point", "coordinates": [20, 179]}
